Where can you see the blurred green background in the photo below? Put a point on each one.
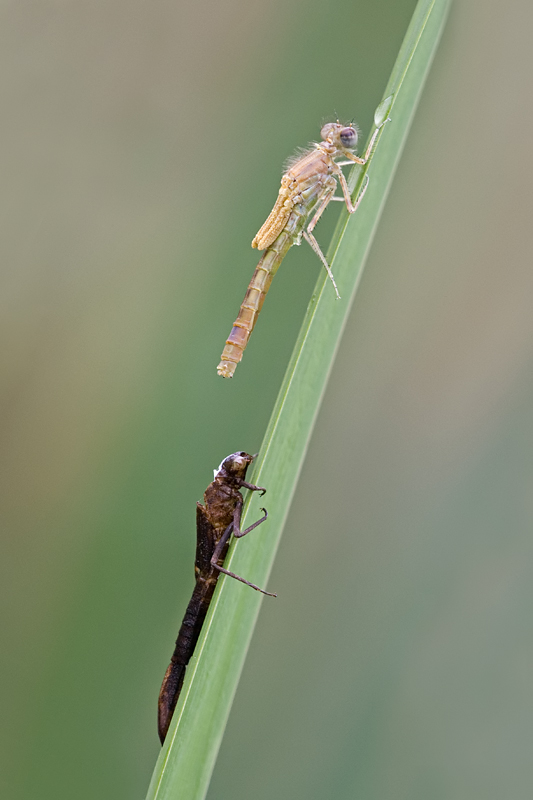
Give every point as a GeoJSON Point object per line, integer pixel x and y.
{"type": "Point", "coordinates": [142, 149]}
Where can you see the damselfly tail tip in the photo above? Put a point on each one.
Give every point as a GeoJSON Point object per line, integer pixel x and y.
{"type": "Point", "coordinates": [226, 369]}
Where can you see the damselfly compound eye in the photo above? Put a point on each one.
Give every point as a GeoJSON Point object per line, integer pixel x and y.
{"type": "Point", "coordinates": [348, 137]}
{"type": "Point", "coordinates": [327, 129]}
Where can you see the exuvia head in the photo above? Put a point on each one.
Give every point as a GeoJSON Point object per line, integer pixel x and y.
{"type": "Point", "coordinates": [235, 465]}
{"type": "Point", "coordinates": [342, 136]}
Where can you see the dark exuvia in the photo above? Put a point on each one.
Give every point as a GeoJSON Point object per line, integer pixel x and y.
{"type": "Point", "coordinates": [216, 520]}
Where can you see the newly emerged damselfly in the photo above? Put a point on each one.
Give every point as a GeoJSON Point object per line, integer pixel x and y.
{"type": "Point", "coordinates": [306, 189]}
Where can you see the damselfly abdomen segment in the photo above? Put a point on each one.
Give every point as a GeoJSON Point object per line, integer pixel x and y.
{"type": "Point", "coordinates": [307, 188]}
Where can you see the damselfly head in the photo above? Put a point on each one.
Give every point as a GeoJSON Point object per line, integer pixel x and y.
{"type": "Point", "coordinates": [340, 135]}
{"type": "Point", "coordinates": [235, 465]}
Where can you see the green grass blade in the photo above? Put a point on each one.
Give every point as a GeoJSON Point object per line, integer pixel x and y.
{"type": "Point", "coordinates": [184, 767]}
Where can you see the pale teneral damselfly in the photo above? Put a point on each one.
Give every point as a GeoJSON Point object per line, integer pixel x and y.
{"type": "Point", "coordinates": [306, 189]}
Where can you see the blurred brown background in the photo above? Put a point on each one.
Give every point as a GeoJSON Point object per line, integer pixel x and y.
{"type": "Point", "coordinates": [142, 149]}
